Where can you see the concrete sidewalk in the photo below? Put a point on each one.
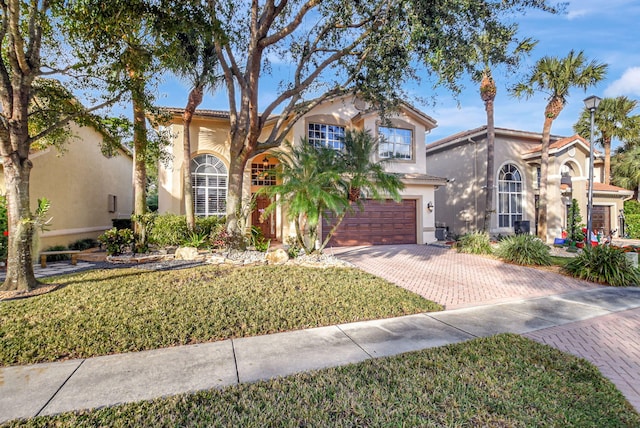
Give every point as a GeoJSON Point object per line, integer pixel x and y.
{"type": "Point", "coordinates": [44, 389]}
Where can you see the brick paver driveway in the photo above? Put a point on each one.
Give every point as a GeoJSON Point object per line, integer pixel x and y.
{"type": "Point", "coordinates": [456, 280]}
{"type": "Point", "coordinates": [611, 342]}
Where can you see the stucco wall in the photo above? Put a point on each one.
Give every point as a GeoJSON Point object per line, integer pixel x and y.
{"type": "Point", "coordinates": [78, 182]}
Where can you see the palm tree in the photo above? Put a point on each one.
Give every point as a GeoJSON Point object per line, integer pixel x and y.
{"type": "Point", "coordinates": [612, 119]}
{"type": "Point", "coordinates": [310, 182]}
{"type": "Point", "coordinates": [492, 51]}
{"type": "Point", "coordinates": [190, 54]}
{"type": "Point", "coordinates": [555, 77]}
{"type": "Point", "coordinates": [625, 168]}
{"type": "Point", "coordinates": [314, 181]}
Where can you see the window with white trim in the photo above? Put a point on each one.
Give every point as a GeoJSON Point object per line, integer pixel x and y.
{"type": "Point", "coordinates": [209, 181]}
{"type": "Point", "coordinates": [509, 196]}
{"type": "Point", "coordinates": [395, 143]}
{"type": "Point", "coordinates": [323, 135]}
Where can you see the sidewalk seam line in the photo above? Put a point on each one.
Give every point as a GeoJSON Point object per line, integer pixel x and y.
{"type": "Point", "coordinates": [452, 326]}
{"type": "Point", "coordinates": [235, 361]}
{"type": "Point", "coordinates": [60, 388]}
{"type": "Point", "coordinates": [353, 341]}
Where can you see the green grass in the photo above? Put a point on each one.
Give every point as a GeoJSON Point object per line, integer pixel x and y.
{"type": "Point", "coordinates": [121, 310]}
{"type": "Point", "coordinates": [560, 261]}
{"type": "Point", "coordinates": [501, 381]}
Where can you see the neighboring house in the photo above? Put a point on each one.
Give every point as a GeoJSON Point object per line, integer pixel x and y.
{"type": "Point", "coordinates": [86, 189]}
{"type": "Point", "coordinates": [410, 221]}
{"type": "Point", "coordinates": [462, 158]}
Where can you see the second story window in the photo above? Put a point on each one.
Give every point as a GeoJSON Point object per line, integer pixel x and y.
{"type": "Point", "coordinates": [323, 135]}
{"type": "Point", "coordinates": [395, 143]}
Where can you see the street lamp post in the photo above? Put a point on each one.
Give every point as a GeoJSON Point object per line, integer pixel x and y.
{"type": "Point", "coordinates": [591, 103]}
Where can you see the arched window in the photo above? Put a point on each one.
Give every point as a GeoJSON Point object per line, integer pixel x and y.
{"type": "Point", "coordinates": [509, 195]}
{"type": "Point", "coordinates": [209, 181]}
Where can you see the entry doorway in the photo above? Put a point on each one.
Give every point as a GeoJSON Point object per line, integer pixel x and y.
{"type": "Point", "coordinates": [266, 223]}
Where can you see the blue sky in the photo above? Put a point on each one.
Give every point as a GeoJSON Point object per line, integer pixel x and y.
{"type": "Point", "coordinates": [608, 32]}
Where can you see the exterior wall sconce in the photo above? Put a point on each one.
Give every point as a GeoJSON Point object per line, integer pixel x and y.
{"type": "Point", "coordinates": [430, 206]}
{"type": "Point", "coordinates": [265, 162]}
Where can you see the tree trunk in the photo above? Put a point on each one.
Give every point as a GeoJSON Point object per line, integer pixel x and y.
{"type": "Point", "coordinates": [236, 215]}
{"type": "Point", "coordinates": [544, 173]}
{"type": "Point", "coordinates": [195, 98]}
{"type": "Point", "coordinates": [491, 138]}
{"type": "Point", "coordinates": [488, 94]}
{"type": "Point", "coordinates": [606, 143]}
{"type": "Point", "coordinates": [20, 274]}
{"type": "Point", "coordinates": [139, 162]}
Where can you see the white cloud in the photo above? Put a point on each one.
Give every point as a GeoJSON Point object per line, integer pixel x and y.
{"type": "Point", "coordinates": [628, 84]}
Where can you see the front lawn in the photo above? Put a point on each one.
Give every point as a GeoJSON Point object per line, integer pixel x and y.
{"type": "Point", "coordinates": [122, 310]}
{"type": "Point", "coordinates": [500, 381]}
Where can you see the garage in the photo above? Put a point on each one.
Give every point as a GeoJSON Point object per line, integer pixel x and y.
{"type": "Point", "coordinates": [380, 223]}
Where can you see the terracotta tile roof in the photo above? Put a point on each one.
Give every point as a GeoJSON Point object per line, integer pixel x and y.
{"type": "Point", "coordinates": [200, 112]}
{"type": "Point", "coordinates": [562, 142]}
{"type": "Point", "coordinates": [601, 187]}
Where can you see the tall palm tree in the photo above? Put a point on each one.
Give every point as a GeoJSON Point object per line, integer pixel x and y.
{"type": "Point", "coordinates": [612, 119]}
{"type": "Point", "coordinates": [491, 51]}
{"type": "Point", "coordinates": [555, 77]}
{"type": "Point", "coordinates": [190, 54]}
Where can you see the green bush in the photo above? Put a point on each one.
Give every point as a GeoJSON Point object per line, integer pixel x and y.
{"type": "Point", "coordinates": [169, 229]}
{"type": "Point", "coordinates": [605, 265]}
{"type": "Point", "coordinates": [172, 230]}
{"type": "Point", "coordinates": [474, 243]}
{"type": "Point", "coordinates": [196, 240]}
{"type": "Point", "coordinates": [206, 225]}
{"type": "Point", "coordinates": [83, 244]}
{"type": "Point", "coordinates": [524, 250]}
{"type": "Point", "coordinates": [632, 225]}
{"type": "Point", "coordinates": [116, 241]}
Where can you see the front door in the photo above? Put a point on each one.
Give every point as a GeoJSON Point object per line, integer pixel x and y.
{"type": "Point", "coordinates": [264, 222]}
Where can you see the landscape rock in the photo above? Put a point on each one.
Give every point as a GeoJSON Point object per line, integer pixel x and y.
{"type": "Point", "coordinates": [187, 253]}
{"type": "Point", "coordinates": [277, 257]}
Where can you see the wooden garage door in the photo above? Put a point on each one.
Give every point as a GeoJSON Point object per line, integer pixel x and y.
{"type": "Point", "coordinates": [601, 219]}
{"type": "Point", "coordinates": [381, 222]}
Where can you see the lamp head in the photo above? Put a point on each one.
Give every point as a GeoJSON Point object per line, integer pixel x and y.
{"type": "Point", "coordinates": [592, 102]}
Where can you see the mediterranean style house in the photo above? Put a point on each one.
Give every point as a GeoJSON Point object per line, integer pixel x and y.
{"type": "Point", "coordinates": [86, 189]}
{"type": "Point", "coordinates": [462, 158]}
{"type": "Point", "coordinates": [385, 222]}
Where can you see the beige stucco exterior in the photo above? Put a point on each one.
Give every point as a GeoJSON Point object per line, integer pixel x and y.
{"type": "Point", "coordinates": [462, 159]}
{"type": "Point", "coordinates": [210, 134]}
{"type": "Point", "coordinates": [78, 183]}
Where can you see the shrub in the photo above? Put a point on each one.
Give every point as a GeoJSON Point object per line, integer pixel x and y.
{"type": "Point", "coordinates": [196, 240]}
{"type": "Point", "coordinates": [605, 265]}
{"type": "Point", "coordinates": [294, 249]}
{"type": "Point", "coordinates": [219, 238]}
{"type": "Point", "coordinates": [206, 225]}
{"type": "Point", "coordinates": [474, 243]}
{"type": "Point", "coordinates": [258, 240]}
{"type": "Point", "coordinates": [169, 229]}
{"type": "Point", "coordinates": [116, 241]}
{"type": "Point", "coordinates": [524, 250]}
{"type": "Point", "coordinates": [57, 257]}
{"type": "Point", "coordinates": [83, 244]}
